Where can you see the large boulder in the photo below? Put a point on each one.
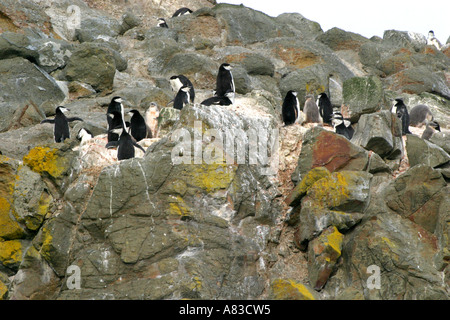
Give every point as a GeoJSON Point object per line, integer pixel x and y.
{"type": "Point", "coordinates": [322, 148]}
{"type": "Point", "coordinates": [381, 133]}
{"type": "Point", "coordinates": [362, 95]}
{"type": "Point", "coordinates": [388, 258]}
{"type": "Point", "coordinates": [94, 65]}
{"type": "Point", "coordinates": [338, 39]}
{"type": "Point", "coordinates": [416, 195]}
{"type": "Point", "coordinates": [25, 88]}
{"type": "Point", "coordinates": [421, 151]}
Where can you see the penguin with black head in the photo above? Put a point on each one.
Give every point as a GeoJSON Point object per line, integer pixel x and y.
{"type": "Point", "coordinates": [402, 113]}
{"type": "Point", "coordinates": [325, 107]}
{"type": "Point", "coordinates": [219, 100]}
{"type": "Point", "coordinates": [138, 127]}
{"type": "Point", "coordinates": [182, 98]}
{"type": "Point", "coordinates": [225, 81]}
{"type": "Point", "coordinates": [178, 81]}
{"type": "Point", "coordinates": [342, 126]}
{"type": "Point", "coordinates": [114, 117]}
{"type": "Point", "coordinates": [61, 129]}
{"type": "Point", "coordinates": [290, 110]}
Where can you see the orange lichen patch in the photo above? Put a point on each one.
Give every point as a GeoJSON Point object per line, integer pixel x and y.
{"type": "Point", "coordinates": [203, 26]}
{"type": "Point", "coordinates": [330, 152]}
{"type": "Point", "coordinates": [235, 58]}
{"type": "Point", "coordinates": [296, 57]}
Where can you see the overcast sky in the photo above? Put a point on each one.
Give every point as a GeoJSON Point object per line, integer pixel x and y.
{"type": "Point", "coordinates": [367, 18]}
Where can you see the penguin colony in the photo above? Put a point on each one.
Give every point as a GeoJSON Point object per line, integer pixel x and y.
{"type": "Point", "coordinates": [124, 135]}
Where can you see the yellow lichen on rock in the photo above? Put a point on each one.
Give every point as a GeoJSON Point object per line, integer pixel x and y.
{"type": "Point", "coordinates": [3, 290]}
{"type": "Point", "coordinates": [10, 253]}
{"type": "Point", "coordinates": [45, 159]}
{"type": "Point", "coordinates": [288, 289]}
{"type": "Point", "coordinates": [47, 245]}
{"type": "Point", "coordinates": [211, 177]}
{"type": "Point", "coordinates": [334, 240]}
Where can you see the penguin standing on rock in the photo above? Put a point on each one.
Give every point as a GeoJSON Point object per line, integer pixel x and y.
{"type": "Point", "coordinates": [182, 98]}
{"type": "Point", "coordinates": [431, 128]}
{"type": "Point", "coordinates": [138, 127]}
{"type": "Point", "coordinates": [402, 113]}
{"type": "Point", "coordinates": [311, 111]}
{"type": "Point", "coordinates": [61, 129]}
{"type": "Point", "coordinates": [325, 108]}
{"type": "Point", "coordinates": [176, 82]}
{"type": "Point", "coordinates": [290, 109]}
{"type": "Point", "coordinates": [114, 117]}
{"type": "Point", "coordinates": [433, 41]}
{"type": "Point", "coordinates": [151, 116]}
{"type": "Point", "coordinates": [342, 126]}
{"type": "Point", "coordinates": [125, 145]}
{"type": "Point", "coordinates": [225, 81]}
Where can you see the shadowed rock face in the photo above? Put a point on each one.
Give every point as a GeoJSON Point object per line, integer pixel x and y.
{"type": "Point", "coordinates": [226, 203]}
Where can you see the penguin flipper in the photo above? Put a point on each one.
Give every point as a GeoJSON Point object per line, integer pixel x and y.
{"type": "Point", "coordinates": [74, 119]}
{"type": "Point", "coordinates": [48, 121]}
{"type": "Point", "coordinates": [138, 146]}
{"type": "Point", "coordinates": [112, 144]}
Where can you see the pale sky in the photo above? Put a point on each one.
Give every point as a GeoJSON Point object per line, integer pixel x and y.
{"type": "Point", "coordinates": [367, 18]}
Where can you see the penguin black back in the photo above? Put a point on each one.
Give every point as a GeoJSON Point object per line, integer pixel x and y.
{"type": "Point", "coordinates": [114, 117]}
{"type": "Point", "coordinates": [176, 82]}
{"type": "Point", "coordinates": [138, 127]}
{"type": "Point", "coordinates": [126, 144]}
{"type": "Point", "coordinates": [220, 101]}
{"type": "Point", "coordinates": [181, 12]}
{"type": "Point", "coordinates": [290, 109]}
{"type": "Point", "coordinates": [61, 129]}
{"type": "Point", "coordinates": [182, 98]}
{"type": "Point", "coordinates": [325, 108]}
{"type": "Point", "coordinates": [225, 81]}
{"type": "Point", "coordinates": [402, 113]}
{"type": "Point", "coordinates": [342, 126]}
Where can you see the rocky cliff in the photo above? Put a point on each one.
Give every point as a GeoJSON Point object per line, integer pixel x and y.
{"type": "Point", "coordinates": [226, 202]}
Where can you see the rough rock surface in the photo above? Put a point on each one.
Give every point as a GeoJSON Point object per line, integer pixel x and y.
{"type": "Point", "coordinates": [225, 202]}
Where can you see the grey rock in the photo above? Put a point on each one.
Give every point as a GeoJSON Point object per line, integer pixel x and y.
{"type": "Point", "coordinates": [338, 39]}
{"type": "Point", "coordinates": [362, 95]}
{"type": "Point", "coordinates": [403, 39]}
{"type": "Point", "coordinates": [25, 88]}
{"type": "Point", "coordinates": [300, 26]}
{"type": "Point", "coordinates": [421, 151]}
{"type": "Point", "coordinates": [381, 133]}
{"type": "Point", "coordinates": [94, 65]}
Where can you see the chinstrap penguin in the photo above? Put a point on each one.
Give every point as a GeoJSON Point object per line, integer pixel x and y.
{"type": "Point", "coordinates": [176, 82]}
{"type": "Point", "coordinates": [224, 81]}
{"type": "Point", "coordinates": [182, 98]}
{"type": "Point", "coordinates": [125, 145]}
{"type": "Point", "coordinates": [181, 12]}
{"type": "Point", "coordinates": [138, 127]}
{"type": "Point", "coordinates": [342, 126]}
{"type": "Point", "coordinates": [325, 108]}
{"type": "Point", "coordinates": [84, 135]}
{"type": "Point", "coordinates": [162, 23]}
{"type": "Point", "coordinates": [433, 41]}
{"type": "Point", "coordinates": [431, 128]}
{"type": "Point", "coordinates": [61, 129]}
{"type": "Point", "coordinates": [219, 100]}
{"type": "Point", "coordinates": [402, 112]}
{"type": "Point", "coordinates": [114, 117]}
{"type": "Point", "coordinates": [290, 109]}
